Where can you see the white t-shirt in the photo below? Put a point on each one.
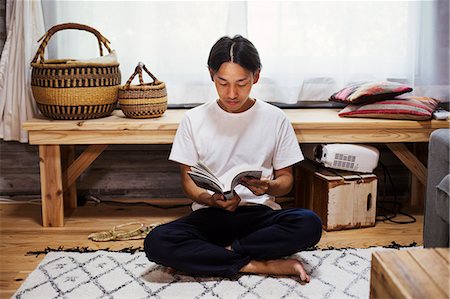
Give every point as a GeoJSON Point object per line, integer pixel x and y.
{"type": "Point", "coordinates": [261, 135]}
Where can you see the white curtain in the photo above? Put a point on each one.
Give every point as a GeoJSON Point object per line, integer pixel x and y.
{"type": "Point", "coordinates": [309, 49]}
{"type": "Point", "coordinates": [431, 65]}
{"type": "Point", "coordinates": [24, 25]}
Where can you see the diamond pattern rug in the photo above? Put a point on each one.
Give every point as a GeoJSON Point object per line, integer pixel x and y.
{"type": "Point", "coordinates": [341, 273]}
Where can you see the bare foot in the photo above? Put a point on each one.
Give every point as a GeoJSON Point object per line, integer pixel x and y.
{"type": "Point", "coordinates": [170, 270]}
{"type": "Point", "coordinates": [277, 267]}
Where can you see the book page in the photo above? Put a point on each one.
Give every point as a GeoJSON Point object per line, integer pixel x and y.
{"type": "Point", "coordinates": [250, 173]}
{"type": "Point", "coordinates": [233, 176]}
{"type": "Point", "coordinates": [203, 172]}
{"type": "Point", "coordinates": [200, 167]}
{"type": "Point", "coordinates": [205, 178]}
{"type": "Point", "coordinates": [206, 182]}
{"type": "Point", "coordinates": [206, 172]}
{"type": "Point", "coordinates": [200, 164]}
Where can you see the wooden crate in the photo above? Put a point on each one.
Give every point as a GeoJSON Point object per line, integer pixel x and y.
{"type": "Point", "coordinates": [341, 199]}
{"type": "Point", "coordinates": [412, 273]}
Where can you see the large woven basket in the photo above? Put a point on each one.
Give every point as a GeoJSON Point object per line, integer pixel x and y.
{"type": "Point", "coordinates": [65, 90]}
{"type": "Point", "coordinates": [145, 100]}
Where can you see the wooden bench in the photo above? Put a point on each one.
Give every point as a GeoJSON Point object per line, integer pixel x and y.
{"type": "Point", "coordinates": [412, 273]}
{"type": "Point", "coordinates": [59, 168]}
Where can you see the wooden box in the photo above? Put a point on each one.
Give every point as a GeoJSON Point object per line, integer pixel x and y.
{"type": "Point", "coordinates": [342, 199]}
{"type": "Point", "coordinates": [411, 273]}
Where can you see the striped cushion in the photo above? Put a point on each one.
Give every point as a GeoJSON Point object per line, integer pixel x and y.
{"type": "Point", "coordinates": [411, 107]}
{"type": "Point", "coordinates": [369, 92]}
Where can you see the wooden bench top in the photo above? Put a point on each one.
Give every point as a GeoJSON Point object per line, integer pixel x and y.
{"type": "Point", "coordinates": [310, 125]}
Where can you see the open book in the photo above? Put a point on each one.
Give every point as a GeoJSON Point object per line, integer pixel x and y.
{"type": "Point", "coordinates": [205, 178]}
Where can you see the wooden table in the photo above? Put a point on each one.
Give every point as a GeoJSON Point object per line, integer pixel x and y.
{"type": "Point", "coordinates": [59, 169]}
{"type": "Point", "coordinates": [412, 273]}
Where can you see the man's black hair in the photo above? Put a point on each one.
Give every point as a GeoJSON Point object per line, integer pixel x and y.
{"type": "Point", "coordinates": [238, 50]}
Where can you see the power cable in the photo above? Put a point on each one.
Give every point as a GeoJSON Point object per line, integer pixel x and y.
{"type": "Point", "coordinates": [98, 200]}
{"type": "Point", "coordinates": [396, 206]}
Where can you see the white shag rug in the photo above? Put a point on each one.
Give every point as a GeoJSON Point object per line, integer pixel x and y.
{"type": "Point", "coordinates": [334, 273]}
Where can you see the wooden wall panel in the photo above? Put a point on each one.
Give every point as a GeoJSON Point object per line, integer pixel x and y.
{"type": "Point", "coordinates": [135, 171]}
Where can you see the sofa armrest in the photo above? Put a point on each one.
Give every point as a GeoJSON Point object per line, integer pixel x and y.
{"type": "Point", "coordinates": [436, 226]}
{"type": "Point", "coordinates": [442, 198]}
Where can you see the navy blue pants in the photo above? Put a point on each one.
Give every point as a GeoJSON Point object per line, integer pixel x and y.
{"type": "Point", "coordinates": [196, 243]}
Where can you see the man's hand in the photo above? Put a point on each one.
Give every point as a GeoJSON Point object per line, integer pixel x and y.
{"type": "Point", "coordinates": [219, 201]}
{"type": "Point", "coordinates": [280, 185]}
{"type": "Point", "coordinates": [257, 186]}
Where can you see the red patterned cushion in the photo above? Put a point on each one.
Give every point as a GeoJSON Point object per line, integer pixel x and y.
{"type": "Point", "coordinates": [411, 107]}
{"type": "Point", "coordinates": [369, 92]}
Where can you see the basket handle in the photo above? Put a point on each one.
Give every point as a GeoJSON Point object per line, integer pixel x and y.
{"type": "Point", "coordinates": [138, 70]}
{"type": "Point", "coordinates": [45, 39]}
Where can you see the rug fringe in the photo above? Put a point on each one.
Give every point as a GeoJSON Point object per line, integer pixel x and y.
{"type": "Point", "coordinates": [393, 245]}
{"type": "Point", "coordinates": [132, 250]}
{"type": "Point", "coordinates": [86, 249]}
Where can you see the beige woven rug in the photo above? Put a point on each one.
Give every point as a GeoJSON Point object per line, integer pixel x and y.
{"type": "Point", "coordinates": [334, 274]}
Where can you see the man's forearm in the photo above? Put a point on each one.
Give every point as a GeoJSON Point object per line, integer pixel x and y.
{"type": "Point", "coordinates": [281, 185]}
{"type": "Point", "coordinates": [196, 194]}
{"type": "Point", "coordinates": [191, 190]}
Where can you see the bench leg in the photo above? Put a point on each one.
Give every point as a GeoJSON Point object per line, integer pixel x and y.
{"type": "Point", "coordinates": [410, 161]}
{"type": "Point", "coordinates": [70, 193]}
{"type": "Point", "coordinates": [51, 185]}
{"type": "Point", "coordinates": [417, 168]}
{"type": "Point", "coordinates": [418, 189]}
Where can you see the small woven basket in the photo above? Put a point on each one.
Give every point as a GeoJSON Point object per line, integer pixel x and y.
{"type": "Point", "coordinates": [65, 90]}
{"type": "Point", "coordinates": [145, 100]}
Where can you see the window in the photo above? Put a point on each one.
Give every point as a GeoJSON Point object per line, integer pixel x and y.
{"type": "Point", "coordinates": [309, 49]}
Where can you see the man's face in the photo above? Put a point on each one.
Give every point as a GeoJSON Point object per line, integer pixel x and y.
{"type": "Point", "coordinates": [233, 84]}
